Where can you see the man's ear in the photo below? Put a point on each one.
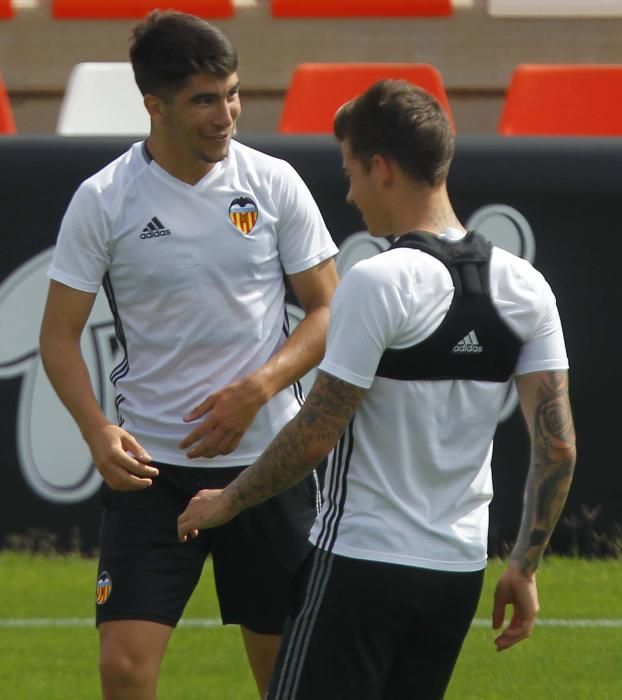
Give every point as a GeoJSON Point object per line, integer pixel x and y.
{"type": "Point", "coordinates": [155, 106]}
{"type": "Point", "coordinates": [382, 167]}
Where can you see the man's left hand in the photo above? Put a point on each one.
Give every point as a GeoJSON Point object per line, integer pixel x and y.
{"type": "Point", "coordinates": [230, 411]}
{"type": "Point", "coordinates": [519, 590]}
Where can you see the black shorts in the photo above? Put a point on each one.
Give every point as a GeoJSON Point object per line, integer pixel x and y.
{"type": "Point", "coordinates": [367, 630]}
{"type": "Point", "coordinates": [146, 573]}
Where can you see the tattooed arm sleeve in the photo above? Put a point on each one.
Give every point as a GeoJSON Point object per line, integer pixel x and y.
{"type": "Point", "coordinates": [302, 443]}
{"type": "Point", "coordinates": [546, 408]}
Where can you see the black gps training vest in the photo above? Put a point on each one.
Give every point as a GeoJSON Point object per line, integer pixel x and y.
{"type": "Point", "coordinates": [473, 341]}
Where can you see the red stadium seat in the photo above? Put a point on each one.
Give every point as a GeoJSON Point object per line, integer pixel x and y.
{"type": "Point", "coordinates": [563, 100]}
{"type": "Point", "coordinates": [135, 9]}
{"type": "Point", "coordinates": [361, 8]}
{"type": "Point", "coordinates": [317, 90]}
{"type": "Point", "coordinates": [7, 123]}
{"type": "Point", "coordinates": [6, 9]}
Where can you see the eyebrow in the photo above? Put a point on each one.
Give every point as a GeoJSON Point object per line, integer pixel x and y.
{"type": "Point", "coordinates": [202, 95]}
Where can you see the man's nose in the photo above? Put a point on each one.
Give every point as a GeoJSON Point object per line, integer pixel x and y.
{"type": "Point", "coordinates": [224, 116]}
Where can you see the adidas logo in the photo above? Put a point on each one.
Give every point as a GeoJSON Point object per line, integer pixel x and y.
{"type": "Point", "coordinates": [154, 229]}
{"type": "Point", "coordinates": [469, 344]}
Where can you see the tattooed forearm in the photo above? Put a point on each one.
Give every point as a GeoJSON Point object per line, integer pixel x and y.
{"type": "Point", "coordinates": [552, 466]}
{"type": "Point", "coordinates": [302, 443]}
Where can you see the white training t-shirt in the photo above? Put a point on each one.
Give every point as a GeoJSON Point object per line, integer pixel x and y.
{"type": "Point", "coordinates": [194, 276]}
{"type": "Point", "coordinates": [410, 481]}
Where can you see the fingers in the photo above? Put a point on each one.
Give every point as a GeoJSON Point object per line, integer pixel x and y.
{"type": "Point", "coordinates": [131, 445]}
{"type": "Point", "coordinates": [518, 630]}
{"type": "Point", "coordinates": [185, 528]}
{"type": "Point", "coordinates": [188, 522]}
{"type": "Point", "coordinates": [137, 471]}
{"type": "Point", "coordinates": [206, 509]}
{"type": "Point", "coordinates": [120, 479]}
{"type": "Point", "coordinates": [227, 415]}
{"type": "Point", "coordinates": [498, 615]}
{"type": "Point", "coordinates": [126, 468]}
{"type": "Point", "coordinates": [201, 409]}
{"type": "Point", "coordinates": [204, 432]}
{"type": "Point", "coordinates": [209, 443]}
{"type": "Point", "coordinates": [184, 534]}
{"type": "Point", "coordinates": [193, 436]}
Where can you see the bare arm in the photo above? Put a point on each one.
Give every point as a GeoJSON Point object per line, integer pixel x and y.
{"type": "Point", "coordinates": [546, 407]}
{"type": "Point", "coordinates": [65, 316]}
{"type": "Point", "coordinates": [295, 451]}
{"type": "Point", "coordinates": [231, 410]}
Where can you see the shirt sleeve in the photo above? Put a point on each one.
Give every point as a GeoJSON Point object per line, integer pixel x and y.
{"type": "Point", "coordinates": [545, 349]}
{"type": "Point", "coordinates": [367, 314]}
{"type": "Point", "coordinates": [303, 239]}
{"type": "Point", "coordinates": [81, 256]}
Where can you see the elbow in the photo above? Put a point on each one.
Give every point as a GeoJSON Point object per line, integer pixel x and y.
{"type": "Point", "coordinates": [55, 345]}
{"type": "Point", "coordinates": [319, 454]}
{"type": "Point", "coordinates": [44, 343]}
{"type": "Point", "coordinates": [571, 456]}
{"type": "Point", "coordinates": [566, 458]}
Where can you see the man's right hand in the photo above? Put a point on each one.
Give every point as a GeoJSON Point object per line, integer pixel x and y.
{"type": "Point", "coordinates": [120, 459]}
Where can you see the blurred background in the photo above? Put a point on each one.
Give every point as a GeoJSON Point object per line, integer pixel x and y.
{"type": "Point", "coordinates": [474, 44]}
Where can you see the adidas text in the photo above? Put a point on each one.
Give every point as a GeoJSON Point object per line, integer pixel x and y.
{"type": "Point", "coordinates": [468, 348]}
{"type": "Point", "coordinates": [155, 234]}
{"type": "Point", "coordinates": [468, 344]}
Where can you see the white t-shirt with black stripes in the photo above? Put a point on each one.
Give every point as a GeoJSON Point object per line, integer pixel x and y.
{"type": "Point", "coordinates": [194, 274]}
{"type": "Point", "coordinates": [410, 481]}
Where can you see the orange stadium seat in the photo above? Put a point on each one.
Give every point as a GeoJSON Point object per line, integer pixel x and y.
{"type": "Point", "coordinates": [563, 100]}
{"type": "Point", "coordinates": [6, 9]}
{"type": "Point", "coordinates": [361, 8]}
{"type": "Point", "coordinates": [317, 90]}
{"type": "Point", "coordinates": [7, 123]}
{"type": "Point", "coordinates": [134, 9]}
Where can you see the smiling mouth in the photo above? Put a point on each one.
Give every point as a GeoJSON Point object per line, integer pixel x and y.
{"type": "Point", "coordinates": [220, 137]}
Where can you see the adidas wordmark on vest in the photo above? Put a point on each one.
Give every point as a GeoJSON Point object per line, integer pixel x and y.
{"type": "Point", "coordinates": [469, 343]}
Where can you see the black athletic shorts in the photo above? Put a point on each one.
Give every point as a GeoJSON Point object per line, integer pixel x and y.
{"type": "Point", "coordinates": [146, 573]}
{"type": "Point", "coordinates": [366, 630]}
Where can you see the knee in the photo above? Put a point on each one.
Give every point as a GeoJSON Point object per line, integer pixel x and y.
{"type": "Point", "coordinates": [122, 670]}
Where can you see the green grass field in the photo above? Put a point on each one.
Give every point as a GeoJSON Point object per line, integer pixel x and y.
{"type": "Point", "coordinates": [48, 645]}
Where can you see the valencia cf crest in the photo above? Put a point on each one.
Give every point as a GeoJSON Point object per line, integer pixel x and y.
{"type": "Point", "coordinates": [103, 588]}
{"type": "Point", "coordinates": [243, 213]}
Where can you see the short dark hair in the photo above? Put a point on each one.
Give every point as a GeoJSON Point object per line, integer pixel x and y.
{"type": "Point", "coordinates": [170, 47]}
{"type": "Point", "coordinates": [399, 120]}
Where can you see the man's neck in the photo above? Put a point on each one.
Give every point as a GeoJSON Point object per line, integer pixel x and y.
{"type": "Point", "coordinates": [424, 210]}
{"type": "Point", "coordinates": [189, 170]}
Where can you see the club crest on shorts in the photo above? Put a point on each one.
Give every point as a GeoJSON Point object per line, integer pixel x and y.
{"type": "Point", "coordinates": [243, 213]}
{"type": "Point", "coordinates": [103, 588]}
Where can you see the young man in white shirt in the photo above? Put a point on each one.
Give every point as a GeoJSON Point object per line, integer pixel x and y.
{"type": "Point", "coordinates": [190, 233]}
{"type": "Point", "coordinates": [422, 342]}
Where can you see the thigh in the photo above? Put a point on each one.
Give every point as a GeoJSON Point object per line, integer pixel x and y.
{"type": "Point", "coordinates": [342, 639]}
{"type": "Point", "coordinates": [439, 617]}
{"type": "Point", "coordinates": [257, 556]}
{"type": "Point", "coordinates": [145, 573]}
